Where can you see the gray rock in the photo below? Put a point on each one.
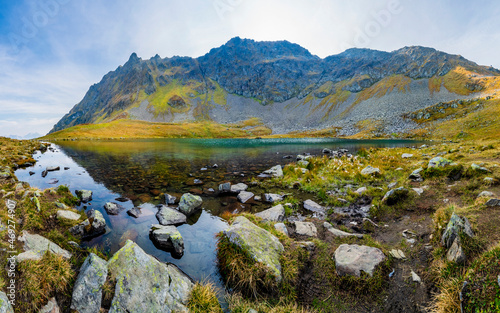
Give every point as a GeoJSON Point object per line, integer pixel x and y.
{"type": "Point", "coordinates": [113, 208]}
{"type": "Point", "coordinates": [456, 253]}
{"type": "Point", "coordinates": [352, 259]}
{"type": "Point", "coordinates": [415, 175]}
{"type": "Point", "coordinates": [369, 170]}
{"type": "Point", "coordinates": [169, 216]}
{"type": "Point", "coordinates": [50, 307]}
{"type": "Point", "coordinates": [455, 226]}
{"type": "Point", "coordinates": [272, 197]}
{"type": "Point", "coordinates": [261, 245]}
{"type": "Point", "coordinates": [145, 284]}
{"type": "Point", "coordinates": [274, 214]}
{"type": "Point", "coordinates": [303, 163]}
{"type": "Point", "coordinates": [238, 188]}
{"type": "Point", "coordinates": [84, 195]}
{"type": "Point", "coordinates": [134, 212]}
{"type": "Point", "coordinates": [397, 254]}
{"type": "Point", "coordinates": [275, 171]}
{"type": "Point", "coordinates": [167, 237]}
{"type": "Point", "coordinates": [305, 229]}
{"type": "Point", "coordinates": [189, 204]}
{"type": "Point", "coordinates": [392, 185]}
{"type": "Point", "coordinates": [87, 292]}
{"type": "Point", "coordinates": [419, 191]}
{"type": "Point", "coordinates": [407, 155]}
{"type": "Point", "coordinates": [68, 215]}
{"type": "Point", "coordinates": [61, 206]}
{"type": "Point", "coordinates": [225, 187]}
{"type": "Point", "coordinates": [486, 194]}
{"type": "Point", "coordinates": [493, 202]}
{"type": "Point", "coordinates": [393, 196]}
{"type": "Point", "coordinates": [478, 168]}
{"type": "Point", "coordinates": [415, 277]}
{"type": "Point", "coordinates": [35, 246]}
{"type": "Point", "coordinates": [439, 162]}
{"type": "Point", "coordinates": [281, 227]}
{"type": "Point", "coordinates": [244, 196]}
{"type": "Point", "coordinates": [5, 306]}
{"type": "Point", "coordinates": [338, 232]}
{"type": "Point", "coordinates": [312, 206]}
{"type": "Point", "coordinates": [93, 226]}
{"type": "Point", "coordinates": [52, 168]}
{"type": "Point", "coordinates": [169, 199]}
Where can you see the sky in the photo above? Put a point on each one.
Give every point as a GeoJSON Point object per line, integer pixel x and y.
{"type": "Point", "coordinates": [52, 51]}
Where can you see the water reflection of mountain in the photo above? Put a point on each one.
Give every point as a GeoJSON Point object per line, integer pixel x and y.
{"type": "Point", "coordinates": [147, 167]}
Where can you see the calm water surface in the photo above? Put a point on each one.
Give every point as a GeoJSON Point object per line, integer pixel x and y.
{"type": "Point", "coordinates": [142, 170]}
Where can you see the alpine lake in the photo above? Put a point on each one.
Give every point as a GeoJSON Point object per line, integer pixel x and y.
{"type": "Point", "coordinates": [137, 173]}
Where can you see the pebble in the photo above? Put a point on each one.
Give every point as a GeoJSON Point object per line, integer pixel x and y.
{"type": "Point", "coordinates": [415, 277]}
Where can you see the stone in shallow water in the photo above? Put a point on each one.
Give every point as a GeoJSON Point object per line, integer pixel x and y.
{"type": "Point", "coordinates": [113, 208]}
{"type": "Point", "coordinates": [244, 196]}
{"type": "Point", "coordinates": [169, 199]}
{"type": "Point", "coordinates": [93, 226]}
{"type": "Point", "coordinates": [167, 237]}
{"type": "Point", "coordinates": [238, 188]}
{"type": "Point", "coordinates": [169, 216]}
{"type": "Point", "coordinates": [84, 195]}
{"type": "Point", "coordinates": [261, 245]}
{"type": "Point", "coordinates": [134, 212]}
{"type": "Point", "coordinates": [145, 284]}
{"type": "Point", "coordinates": [352, 259]}
{"type": "Point", "coordinates": [189, 204]}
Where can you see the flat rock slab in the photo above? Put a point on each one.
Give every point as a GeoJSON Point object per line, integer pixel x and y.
{"type": "Point", "coordinates": [352, 259]}
{"type": "Point", "coordinates": [68, 215]}
{"type": "Point", "coordinates": [272, 197]}
{"type": "Point", "coordinates": [261, 245]}
{"type": "Point", "coordinates": [238, 188]}
{"type": "Point", "coordinates": [145, 284]}
{"type": "Point", "coordinates": [167, 237]}
{"type": "Point", "coordinates": [169, 216]}
{"type": "Point", "coordinates": [189, 204]}
{"type": "Point", "coordinates": [305, 229]}
{"type": "Point", "coordinates": [87, 292]}
{"type": "Point", "coordinates": [338, 232]}
{"type": "Point", "coordinates": [244, 196]}
{"type": "Point", "coordinates": [274, 214]}
{"type": "Point", "coordinates": [35, 247]}
{"type": "Point", "coordinates": [318, 210]}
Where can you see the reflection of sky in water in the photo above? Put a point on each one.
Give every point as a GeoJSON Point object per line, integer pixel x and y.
{"type": "Point", "coordinates": [199, 256]}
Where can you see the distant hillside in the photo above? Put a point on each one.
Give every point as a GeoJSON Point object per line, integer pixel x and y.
{"type": "Point", "coordinates": [284, 86]}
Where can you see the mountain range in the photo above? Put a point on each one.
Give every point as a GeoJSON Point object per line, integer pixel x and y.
{"type": "Point", "coordinates": [285, 86]}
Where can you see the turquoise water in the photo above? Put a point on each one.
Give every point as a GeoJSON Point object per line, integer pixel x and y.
{"type": "Point", "coordinates": [141, 170]}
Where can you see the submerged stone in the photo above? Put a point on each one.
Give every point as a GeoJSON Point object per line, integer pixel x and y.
{"type": "Point", "coordinates": [84, 195]}
{"type": "Point", "coordinates": [189, 204]}
{"type": "Point", "coordinates": [169, 216]}
{"type": "Point", "coordinates": [167, 237]}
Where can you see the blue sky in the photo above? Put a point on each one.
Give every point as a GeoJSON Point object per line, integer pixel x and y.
{"type": "Point", "coordinates": [51, 51]}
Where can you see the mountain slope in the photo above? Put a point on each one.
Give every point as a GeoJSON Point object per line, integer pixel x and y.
{"type": "Point", "coordinates": [284, 85]}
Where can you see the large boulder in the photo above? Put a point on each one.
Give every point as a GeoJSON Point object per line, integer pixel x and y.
{"type": "Point", "coordinates": [5, 306]}
{"type": "Point", "coordinates": [84, 195]}
{"type": "Point", "coordinates": [113, 208]}
{"type": "Point", "coordinates": [261, 245]}
{"type": "Point", "coordinates": [167, 237]}
{"type": "Point", "coordinates": [189, 203]}
{"type": "Point", "coordinates": [87, 292]}
{"type": "Point", "coordinates": [169, 216]}
{"type": "Point", "coordinates": [144, 284]}
{"type": "Point", "coordinates": [439, 162]}
{"type": "Point", "coordinates": [93, 226]}
{"type": "Point", "coordinates": [275, 171]}
{"type": "Point", "coordinates": [455, 226]}
{"type": "Point", "coordinates": [352, 259]}
{"type": "Point", "coordinates": [35, 246]}
{"type": "Point", "coordinates": [274, 214]}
